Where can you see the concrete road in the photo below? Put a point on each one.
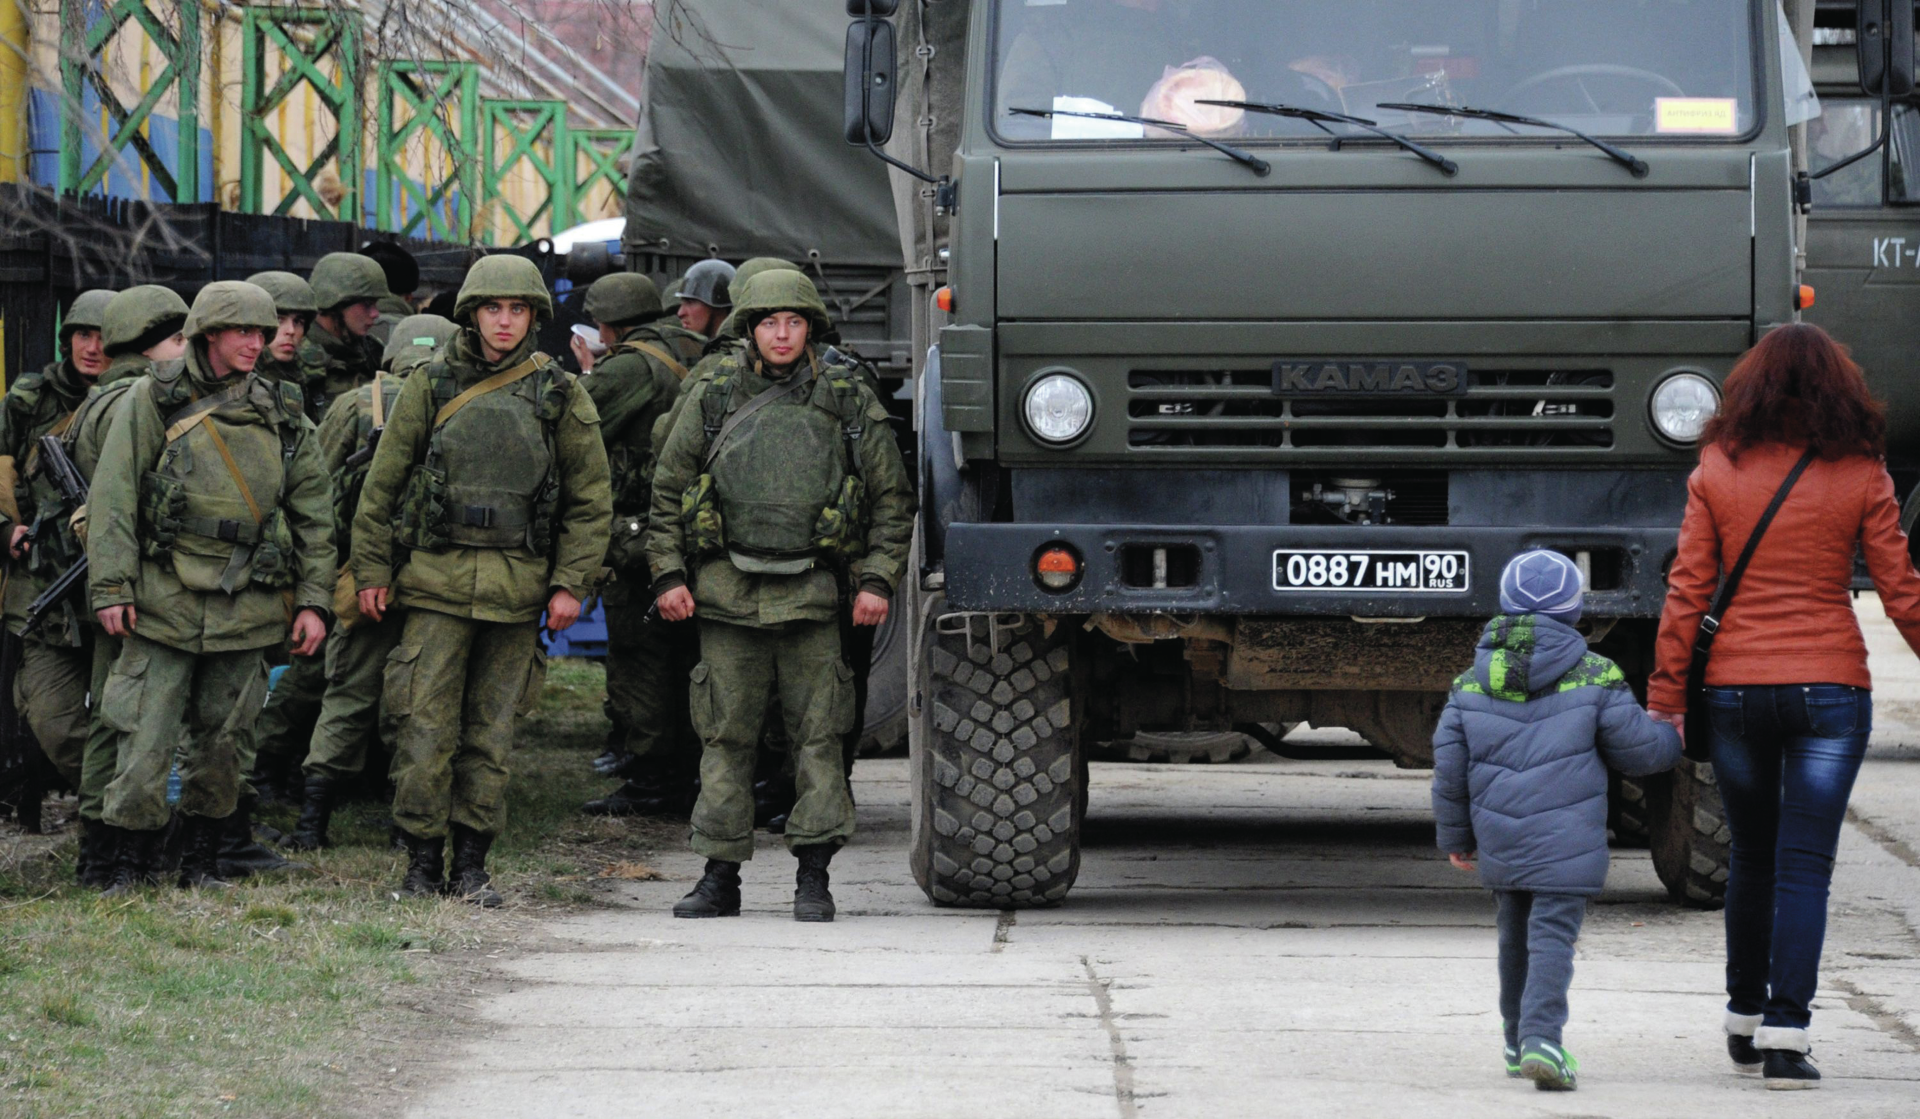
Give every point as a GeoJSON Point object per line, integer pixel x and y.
{"type": "Point", "coordinates": [1268, 938]}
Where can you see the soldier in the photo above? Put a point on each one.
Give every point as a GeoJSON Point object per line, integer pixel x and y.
{"type": "Point", "coordinates": [402, 274]}
{"type": "Point", "coordinates": [632, 385]}
{"type": "Point", "coordinates": [50, 685]}
{"type": "Point", "coordinates": [487, 500]}
{"type": "Point", "coordinates": [705, 301]}
{"type": "Point", "coordinates": [762, 504]}
{"type": "Point", "coordinates": [141, 329]}
{"type": "Point", "coordinates": [356, 656]}
{"type": "Point", "coordinates": [210, 537]}
{"type": "Point", "coordinates": [348, 288]}
{"type": "Point", "coordinates": [283, 359]}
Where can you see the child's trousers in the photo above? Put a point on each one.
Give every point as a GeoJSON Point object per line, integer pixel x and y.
{"type": "Point", "coordinates": [1537, 932]}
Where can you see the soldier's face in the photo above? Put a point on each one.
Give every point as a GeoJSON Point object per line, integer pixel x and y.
{"type": "Point", "coordinates": [235, 350]}
{"type": "Point", "coordinates": [170, 350]}
{"type": "Point", "coordinates": [359, 317]}
{"type": "Point", "coordinates": [780, 337]}
{"type": "Point", "coordinates": [698, 317]}
{"type": "Point", "coordinates": [88, 351]}
{"type": "Point", "coordinates": [286, 340]}
{"type": "Point", "coordinates": [502, 325]}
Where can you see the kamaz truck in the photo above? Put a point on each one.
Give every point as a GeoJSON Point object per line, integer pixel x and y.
{"type": "Point", "coordinates": [1252, 339]}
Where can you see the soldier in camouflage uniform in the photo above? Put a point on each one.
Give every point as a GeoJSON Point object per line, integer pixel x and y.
{"type": "Point", "coordinates": [50, 685]}
{"type": "Point", "coordinates": [271, 748]}
{"type": "Point", "coordinates": [356, 656]}
{"type": "Point", "coordinates": [631, 385]}
{"type": "Point", "coordinates": [704, 300]}
{"type": "Point", "coordinates": [778, 497]}
{"type": "Point", "coordinates": [210, 537]}
{"type": "Point", "coordinates": [348, 288]}
{"type": "Point", "coordinates": [402, 274]}
{"type": "Point", "coordinates": [487, 500]}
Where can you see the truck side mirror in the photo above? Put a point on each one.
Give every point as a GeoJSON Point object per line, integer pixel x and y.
{"type": "Point", "coordinates": [1883, 40]}
{"type": "Point", "coordinates": [870, 66]}
{"type": "Point", "coordinates": [880, 9]}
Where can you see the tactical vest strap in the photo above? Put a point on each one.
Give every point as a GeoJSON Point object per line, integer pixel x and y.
{"type": "Point", "coordinates": [764, 398]}
{"type": "Point", "coordinates": [652, 351]}
{"type": "Point", "coordinates": [379, 401]}
{"type": "Point", "coordinates": [186, 419]}
{"type": "Point", "coordinates": [57, 430]}
{"type": "Point", "coordinates": [499, 380]}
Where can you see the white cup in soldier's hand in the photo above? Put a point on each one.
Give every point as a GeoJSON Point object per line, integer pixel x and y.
{"type": "Point", "coordinates": [590, 336]}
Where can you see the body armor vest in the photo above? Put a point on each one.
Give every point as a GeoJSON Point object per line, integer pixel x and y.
{"type": "Point", "coordinates": [490, 478]}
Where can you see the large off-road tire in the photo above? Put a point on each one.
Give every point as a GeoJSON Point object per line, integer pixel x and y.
{"type": "Point", "coordinates": [999, 779]}
{"type": "Point", "coordinates": [886, 726]}
{"type": "Point", "coordinates": [1627, 810]}
{"type": "Point", "coordinates": [1689, 836]}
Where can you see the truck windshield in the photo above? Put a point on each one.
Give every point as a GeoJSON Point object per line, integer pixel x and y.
{"type": "Point", "coordinates": [1621, 68]}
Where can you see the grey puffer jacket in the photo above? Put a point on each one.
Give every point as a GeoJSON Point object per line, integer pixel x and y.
{"type": "Point", "coordinates": [1521, 755]}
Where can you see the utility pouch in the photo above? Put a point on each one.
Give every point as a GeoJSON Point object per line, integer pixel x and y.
{"type": "Point", "coordinates": [423, 510]}
{"type": "Point", "coordinates": [842, 527]}
{"type": "Point", "coordinates": [273, 558]}
{"type": "Point", "coordinates": [700, 517]}
{"type": "Point", "coordinates": [163, 501]}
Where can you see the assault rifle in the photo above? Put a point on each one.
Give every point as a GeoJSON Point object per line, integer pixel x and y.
{"type": "Point", "coordinates": [365, 454]}
{"type": "Point", "coordinates": [73, 487]}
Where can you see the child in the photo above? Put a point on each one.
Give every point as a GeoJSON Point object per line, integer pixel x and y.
{"type": "Point", "coordinates": [1520, 775]}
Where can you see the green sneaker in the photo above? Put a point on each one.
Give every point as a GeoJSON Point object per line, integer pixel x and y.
{"type": "Point", "coordinates": [1512, 1053]}
{"type": "Point", "coordinates": [1551, 1068]}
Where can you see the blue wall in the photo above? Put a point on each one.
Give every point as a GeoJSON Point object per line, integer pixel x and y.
{"type": "Point", "coordinates": [162, 132]}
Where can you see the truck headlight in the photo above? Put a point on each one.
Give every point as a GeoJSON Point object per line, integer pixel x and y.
{"type": "Point", "coordinates": [1059, 408]}
{"type": "Point", "coordinates": [1682, 405]}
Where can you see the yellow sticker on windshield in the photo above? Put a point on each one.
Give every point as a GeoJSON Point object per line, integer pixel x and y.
{"type": "Point", "coordinates": [1711, 116]}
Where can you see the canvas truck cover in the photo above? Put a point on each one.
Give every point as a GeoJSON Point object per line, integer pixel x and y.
{"type": "Point", "coordinates": [739, 144]}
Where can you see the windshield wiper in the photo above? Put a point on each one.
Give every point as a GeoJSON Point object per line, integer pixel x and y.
{"type": "Point", "coordinates": [1259, 166]}
{"type": "Point", "coordinates": [1626, 159]}
{"type": "Point", "coordinates": [1319, 119]}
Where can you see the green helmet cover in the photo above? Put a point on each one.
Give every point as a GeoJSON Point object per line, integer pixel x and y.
{"type": "Point", "coordinates": [738, 285]}
{"type": "Point", "coordinates": [291, 294]}
{"type": "Point", "coordinates": [780, 289]}
{"type": "Point", "coordinates": [415, 339]}
{"type": "Point", "coordinates": [134, 312]}
{"type": "Point", "coordinates": [347, 278]}
{"type": "Point", "coordinates": [621, 298]}
{"type": "Point", "coordinates": [89, 310]}
{"type": "Point", "coordinates": [503, 277]}
{"type": "Point", "coordinates": [230, 304]}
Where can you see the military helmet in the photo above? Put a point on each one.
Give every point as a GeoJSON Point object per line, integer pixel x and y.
{"type": "Point", "coordinates": [134, 315]}
{"type": "Point", "coordinates": [231, 304]}
{"type": "Point", "coordinates": [503, 277]}
{"type": "Point", "coordinates": [291, 294]}
{"type": "Point", "coordinates": [89, 311]}
{"type": "Point", "coordinates": [708, 282]}
{"type": "Point", "coordinates": [347, 278]}
{"type": "Point", "coordinates": [738, 283]}
{"type": "Point", "coordinates": [621, 298]}
{"type": "Point", "coordinates": [415, 339]}
{"type": "Point", "coordinates": [781, 289]}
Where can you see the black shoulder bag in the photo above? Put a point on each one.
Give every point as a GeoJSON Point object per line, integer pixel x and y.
{"type": "Point", "coordinates": [1697, 716]}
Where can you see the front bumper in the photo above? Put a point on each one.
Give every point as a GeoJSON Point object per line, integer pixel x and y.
{"type": "Point", "coordinates": [990, 567]}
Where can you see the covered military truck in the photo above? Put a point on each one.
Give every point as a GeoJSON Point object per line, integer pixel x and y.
{"type": "Point", "coordinates": [1254, 338]}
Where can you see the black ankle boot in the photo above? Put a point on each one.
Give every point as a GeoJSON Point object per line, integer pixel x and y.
{"type": "Point", "coordinates": [1789, 1069]}
{"type": "Point", "coordinates": [200, 861]}
{"type": "Point", "coordinates": [426, 862]}
{"type": "Point", "coordinates": [649, 795]}
{"type": "Point", "coordinates": [470, 881]}
{"type": "Point", "coordinates": [316, 813]}
{"type": "Point", "coordinates": [137, 859]}
{"type": "Point", "coordinates": [716, 895]}
{"type": "Point", "coordinates": [98, 848]}
{"type": "Point", "coordinates": [811, 901]}
{"type": "Point", "coordinates": [242, 855]}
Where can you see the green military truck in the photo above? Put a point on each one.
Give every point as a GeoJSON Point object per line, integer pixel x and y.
{"type": "Point", "coordinates": [1247, 354]}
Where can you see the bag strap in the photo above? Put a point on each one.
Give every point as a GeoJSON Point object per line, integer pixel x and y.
{"type": "Point", "coordinates": [658, 354]}
{"type": "Point", "coordinates": [499, 380]}
{"type": "Point", "coordinates": [765, 397]}
{"type": "Point", "coordinates": [58, 431]}
{"type": "Point", "coordinates": [379, 401]}
{"type": "Point", "coordinates": [1710, 621]}
{"type": "Point", "coordinates": [190, 417]}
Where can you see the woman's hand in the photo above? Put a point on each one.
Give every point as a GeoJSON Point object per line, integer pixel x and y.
{"type": "Point", "coordinates": [1677, 721]}
{"type": "Point", "coordinates": [1462, 860]}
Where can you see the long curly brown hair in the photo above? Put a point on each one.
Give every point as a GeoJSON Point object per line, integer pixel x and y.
{"type": "Point", "coordinates": [1798, 386]}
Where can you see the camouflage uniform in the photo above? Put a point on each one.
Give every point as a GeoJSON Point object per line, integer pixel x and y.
{"type": "Point", "coordinates": [291, 296]}
{"type": "Point", "coordinates": [475, 516]}
{"type": "Point", "coordinates": [356, 654]}
{"type": "Point", "coordinates": [767, 530]}
{"type": "Point", "coordinates": [345, 363]}
{"type": "Point", "coordinates": [178, 530]}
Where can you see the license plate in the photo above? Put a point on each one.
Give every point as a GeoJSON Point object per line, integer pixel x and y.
{"type": "Point", "coordinates": [1326, 569]}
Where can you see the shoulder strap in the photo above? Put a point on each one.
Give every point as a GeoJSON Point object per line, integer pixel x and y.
{"type": "Point", "coordinates": [765, 397]}
{"type": "Point", "coordinates": [58, 431]}
{"type": "Point", "coordinates": [658, 354]}
{"type": "Point", "coordinates": [188, 418]}
{"type": "Point", "coordinates": [379, 400]}
{"type": "Point", "coordinates": [499, 380]}
{"type": "Point", "coordinates": [1710, 621]}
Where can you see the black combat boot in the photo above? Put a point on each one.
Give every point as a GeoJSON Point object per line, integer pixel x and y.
{"type": "Point", "coordinates": [98, 848]}
{"type": "Point", "coordinates": [242, 855]}
{"type": "Point", "coordinates": [470, 881]}
{"type": "Point", "coordinates": [716, 895]}
{"type": "Point", "coordinates": [316, 813]}
{"type": "Point", "coordinates": [200, 859]}
{"type": "Point", "coordinates": [137, 860]}
{"type": "Point", "coordinates": [811, 901]}
{"type": "Point", "coordinates": [426, 861]}
{"type": "Point", "coordinates": [651, 794]}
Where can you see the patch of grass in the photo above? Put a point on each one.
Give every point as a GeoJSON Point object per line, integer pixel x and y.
{"type": "Point", "coordinates": [283, 995]}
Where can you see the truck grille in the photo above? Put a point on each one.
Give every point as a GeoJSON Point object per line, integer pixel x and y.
{"type": "Point", "coordinates": [1175, 410]}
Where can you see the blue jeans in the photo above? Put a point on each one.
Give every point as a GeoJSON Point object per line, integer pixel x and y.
{"type": "Point", "coordinates": [1785, 756]}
